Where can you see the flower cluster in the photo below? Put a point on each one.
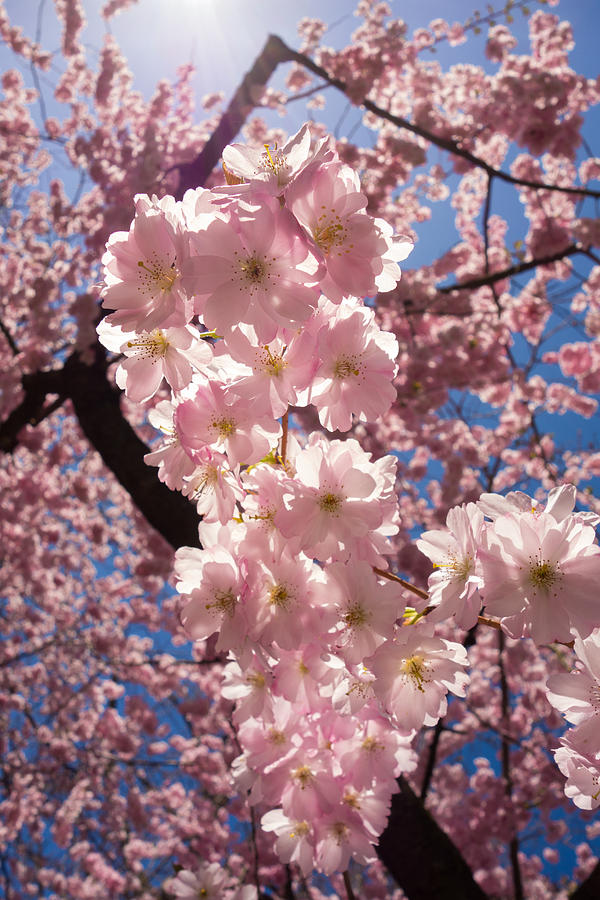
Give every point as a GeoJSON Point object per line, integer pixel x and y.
{"type": "Point", "coordinates": [246, 300]}
{"type": "Point", "coordinates": [536, 568]}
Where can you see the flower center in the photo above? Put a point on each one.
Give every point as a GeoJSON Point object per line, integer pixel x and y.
{"type": "Point", "coordinates": [254, 269]}
{"type": "Point", "coordinates": [206, 481]}
{"type": "Point", "coordinates": [256, 679]}
{"type": "Point", "coordinates": [330, 503]}
{"type": "Point", "coordinates": [276, 737]}
{"type": "Point", "coordinates": [157, 275]}
{"type": "Point", "coordinates": [272, 363]}
{"type": "Point", "coordinates": [280, 596]}
{"type": "Point", "coordinates": [543, 575]}
{"type": "Point", "coordinates": [329, 232]}
{"type": "Point", "coordinates": [224, 602]}
{"type": "Point", "coordinates": [301, 829]}
{"type": "Point", "coordinates": [457, 568]}
{"type": "Point", "coordinates": [345, 366]}
{"type": "Point", "coordinates": [303, 775]}
{"type": "Point", "coordinates": [371, 745]}
{"type": "Point", "coordinates": [274, 161]}
{"type": "Point", "coordinates": [415, 668]}
{"type": "Point", "coordinates": [351, 800]}
{"type": "Point", "coordinates": [356, 616]}
{"type": "Point", "coordinates": [224, 427]}
{"type": "Point", "coordinates": [339, 831]}
{"type": "Point", "coordinates": [153, 345]}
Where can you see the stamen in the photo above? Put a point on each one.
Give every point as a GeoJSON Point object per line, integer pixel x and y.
{"type": "Point", "coordinates": [157, 274]}
{"type": "Point", "coordinates": [224, 602]}
{"type": "Point", "coordinates": [356, 616]}
{"type": "Point", "coordinates": [279, 596]}
{"type": "Point", "coordinates": [329, 232]}
{"type": "Point", "coordinates": [304, 775]}
{"type": "Point", "coordinates": [153, 345]}
{"type": "Point", "coordinates": [330, 503]}
{"type": "Point", "coordinates": [345, 366]}
{"type": "Point", "coordinates": [543, 575]}
{"type": "Point", "coordinates": [415, 667]}
{"type": "Point", "coordinates": [224, 427]}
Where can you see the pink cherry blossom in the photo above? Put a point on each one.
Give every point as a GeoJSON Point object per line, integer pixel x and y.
{"type": "Point", "coordinates": [274, 168]}
{"type": "Point", "coordinates": [453, 587]}
{"type": "Point", "coordinates": [414, 674]}
{"type": "Point", "coordinates": [540, 575]}
{"type": "Point", "coordinates": [356, 369]}
{"type": "Point", "coordinates": [327, 201]}
{"type": "Point", "coordinates": [217, 418]}
{"type": "Point", "coordinates": [255, 268]}
{"type": "Point", "coordinates": [336, 499]}
{"type": "Point", "coordinates": [142, 270]}
{"type": "Point", "coordinates": [172, 354]}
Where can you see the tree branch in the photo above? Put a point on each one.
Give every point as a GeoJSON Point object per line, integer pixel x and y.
{"type": "Point", "coordinates": [420, 856]}
{"type": "Point", "coordinates": [287, 54]}
{"type": "Point", "coordinates": [98, 408]}
{"type": "Point", "coordinates": [590, 888]}
{"type": "Point", "coordinates": [245, 99]}
{"type": "Point", "coordinates": [493, 277]}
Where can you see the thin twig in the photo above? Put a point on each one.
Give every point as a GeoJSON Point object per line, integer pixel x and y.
{"type": "Point", "coordinates": [405, 584]}
{"type": "Point", "coordinates": [284, 436]}
{"type": "Point", "coordinates": [492, 277]}
{"type": "Point", "coordinates": [348, 886]}
{"type": "Point", "coordinates": [508, 784]}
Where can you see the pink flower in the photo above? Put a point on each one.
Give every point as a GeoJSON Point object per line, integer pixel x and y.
{"type": "Point", "coordinates": [328, 203]}
{"type": "Point", "coordinates": [255, 268]}
{"type": "Point", "coordinates": [209, 880]}
{"type": "Point", "coordinates": [357, 367]}
{"type": "Point", "coordinates": [577, 696]}
{"type": "Point", "coordinates": [414, 674]}
{"type": "Point", "coordinates": [286, 596]}
{"type": "Point", "coordinates": [142, 269]}
{"type": "Point", "coordinates": [272, 375]}
{"type": "Point", "coordinates": [218, 418]}
{"type": "Point", "coordinates": [174, 464]}
{"type": "Point", "coordinates": [367, 609]}
{"type": "Point", "coordinates": [583, 778]}
{"type": "Point", "coordinates": [295, 839]}
{"type": "Point", "coordinates": [212, 581]}
{"type": "Point", "coordinates": [341, 835]}
{"type": "Point", "coordinates": [335, 499]}
{"type": "Point", "coordinates": [213, 486]}
{"type": "Point", "coordinates": [541, 576]}
{"type": "Point", "coordinates": [453, 587]}
{"type": "Point", "coordinates": [272, 169]}
{"type": "Point", "coordinates": [172, 353]}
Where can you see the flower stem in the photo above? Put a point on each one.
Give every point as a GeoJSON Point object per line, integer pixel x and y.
{"type": "Point", "coordinates": [348, 886]}
{"type": "Point", "coordinates": [284, 437]}
{"type": "Point", "coordinates": [406, 584]}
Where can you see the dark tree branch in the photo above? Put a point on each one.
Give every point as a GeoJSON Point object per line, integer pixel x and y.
{"type": "Point", "coordinates": [245, 99]}
{"type": "Point", "coordinates": [431, 758]}
{"type": "Point", "coordinates": [491, 278]}
{"type": "Point", "coordinates": [590, 888]}
{"type": "Point", "coordinates": [9, 338]}
{"type": "Point", "coordinates": [420, 856]}
{"type": "Point", "coordinates": [287, 54]}
{"type": "Point", "coordinates": [513, 847]}
{"type": "Point", "coordinates": [98, 408]}
{"type": "Point", "coordinates": [33, 409]}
